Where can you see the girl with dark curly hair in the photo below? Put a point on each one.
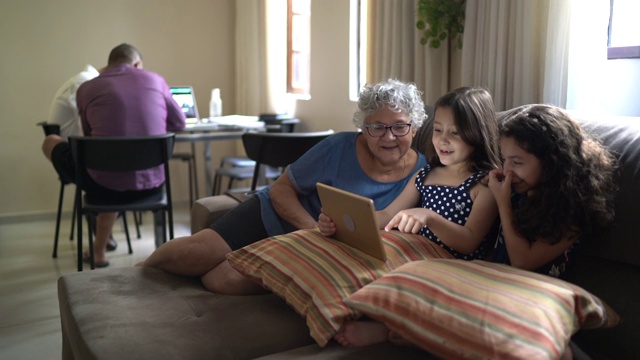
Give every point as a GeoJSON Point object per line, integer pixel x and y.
{"type": "Point", "coordinates": [556, 186]}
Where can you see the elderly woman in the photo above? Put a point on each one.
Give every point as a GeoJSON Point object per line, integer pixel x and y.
{"type": "Point", "coordinates": [375, 162]}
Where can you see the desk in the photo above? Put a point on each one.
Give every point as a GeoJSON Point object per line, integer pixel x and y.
{"type": "Point", "coordinates": [222, 128]}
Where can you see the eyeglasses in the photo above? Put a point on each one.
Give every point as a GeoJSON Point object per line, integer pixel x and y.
{"type": "Point", "coordinates": [379, 130]}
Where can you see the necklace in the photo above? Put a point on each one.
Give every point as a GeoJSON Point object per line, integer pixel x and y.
{"type": "Point", "coordinates": [404, 168]}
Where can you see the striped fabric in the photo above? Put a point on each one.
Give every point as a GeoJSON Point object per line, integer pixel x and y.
{"type": "Point", "coordinates": [314, 273]}
{"type": "Point", "coordinates": [481, 310]}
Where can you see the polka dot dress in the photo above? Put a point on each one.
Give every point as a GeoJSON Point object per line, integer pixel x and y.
{"type": "Point", "coordinates": [452, 203]}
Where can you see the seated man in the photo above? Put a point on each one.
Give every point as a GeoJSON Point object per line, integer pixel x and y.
{"type": "Point", "coordinates": [124, 100]}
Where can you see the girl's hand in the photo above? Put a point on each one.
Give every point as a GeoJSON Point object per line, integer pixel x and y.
{"type": "Point", "coordinates": [409, 220]}
{"type": "Point", "coordinates": [500, 185]}
{"type": "Point", "coordinates": [326, 226]}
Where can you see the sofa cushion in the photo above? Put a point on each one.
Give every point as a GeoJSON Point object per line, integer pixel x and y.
{"type": "Point", "coordinates": [314, 273]}
{"type": "Point", "coordinates": [143, 313]}
{"type": "Point", "coordinates": [477, 309]}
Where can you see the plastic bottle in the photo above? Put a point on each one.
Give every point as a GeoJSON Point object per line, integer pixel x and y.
{"type": "Point", "coordinates": [215, 104]}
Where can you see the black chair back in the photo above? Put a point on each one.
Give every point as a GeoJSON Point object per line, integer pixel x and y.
{"type": "Point", "coordinates": [278, 149]}
{"type": "Point", "coordinates": [115, 154]}
{"type": "Point", "coordinates": [122, 153]}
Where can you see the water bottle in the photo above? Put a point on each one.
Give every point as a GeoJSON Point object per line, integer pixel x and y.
{"type": "Point", "coordinates": [215, 104]}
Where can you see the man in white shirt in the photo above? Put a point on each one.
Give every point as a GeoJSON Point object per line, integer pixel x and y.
{"type": "Point", "coordinates": [63, 110]}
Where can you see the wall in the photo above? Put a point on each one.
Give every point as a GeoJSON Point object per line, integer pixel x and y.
{"type": "Point", "coordinates": [45, 42]}
{"type": "Point", "coordinates": [329, 106]}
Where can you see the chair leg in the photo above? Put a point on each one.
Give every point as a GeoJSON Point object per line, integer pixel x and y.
{"type": "Point", "coordinates": [159, 227]}
{"type": "Point", "coordinates": [137, 217]}
{"type": "Point", "coordinates": [216, 185]}
{"type": "Point", "coordinates": [55, 239]}
{"type": "Point", "coordinates": [73, 221]}
{"type": "Point", "coordinates": [79, 228]}
{"type": "Point", "coordinates": [91, 225]}
{"type": "Point", "coordinates": [190, 166]}
{"type": "Point", "coordinates": [126, 229]}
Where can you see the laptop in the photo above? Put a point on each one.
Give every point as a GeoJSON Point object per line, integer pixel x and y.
{"type": "Point", "coordinates": [186, 99]}
{"type": "Point", "coordinates": [355, 220]}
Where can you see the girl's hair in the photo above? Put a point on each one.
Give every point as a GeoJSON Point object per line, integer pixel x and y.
{"type": "Point", "coordinates": [475, 118]}
{"type": "Point", "coordinates": [576, 188]}
{"type": "Point", "coordinates": [397, 95]}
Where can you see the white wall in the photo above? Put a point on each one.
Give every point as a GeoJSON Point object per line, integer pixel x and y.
{"type": "Point", "coordinates": [329, 106]}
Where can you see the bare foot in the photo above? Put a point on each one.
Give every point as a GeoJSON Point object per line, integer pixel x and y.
{"type": "Point", "coordinates": [362, 333]}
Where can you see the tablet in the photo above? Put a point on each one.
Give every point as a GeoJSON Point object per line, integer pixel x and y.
{"type": "Point", "coordinates": [355, 220]}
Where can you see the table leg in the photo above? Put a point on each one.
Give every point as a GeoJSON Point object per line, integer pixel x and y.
{"type": "Point", "coordinates": [195, 170]}
{"type": "Point", "coordinates": [207, 165]}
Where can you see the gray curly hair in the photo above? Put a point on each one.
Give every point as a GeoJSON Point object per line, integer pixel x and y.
{"type": "Point", "coordinates": [397, 95]}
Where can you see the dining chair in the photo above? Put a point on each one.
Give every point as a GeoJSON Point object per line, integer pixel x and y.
{"type": "Point", "coordinates": [49, 129]}
{"type": "Point", "coordinates": [276, 150]}
{"type": "Point", "coordinates": [117, 154]}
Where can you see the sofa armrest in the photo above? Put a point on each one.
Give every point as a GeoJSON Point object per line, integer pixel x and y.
{"type": "Point", "coordinates": [208, 209]}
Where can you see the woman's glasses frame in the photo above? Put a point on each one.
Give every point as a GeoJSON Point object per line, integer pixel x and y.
{"type": "Point", "coordinates": [380, 130]}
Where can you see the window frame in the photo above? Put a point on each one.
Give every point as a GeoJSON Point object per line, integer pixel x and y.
{"type": "Point", "coordinates": [299, 47]}
{"type": "Point", "coordinates": [619, 52]}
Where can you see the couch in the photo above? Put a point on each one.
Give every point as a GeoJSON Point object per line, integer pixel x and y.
{"type": "Point", "coordinates": [149, 314]}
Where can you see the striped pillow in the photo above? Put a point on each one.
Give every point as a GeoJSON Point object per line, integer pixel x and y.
{"type": "Point", "coordinates": [481, 310]}
{"type": "Point", "coordinates": [314, 273]}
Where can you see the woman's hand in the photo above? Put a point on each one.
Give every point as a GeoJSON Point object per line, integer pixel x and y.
{"type": "Point", "coordinates": [500, 186]}
{"type": "Point", "coordinates": [326, 226]}
{"type": "Point", "coordinates": [409, 220]}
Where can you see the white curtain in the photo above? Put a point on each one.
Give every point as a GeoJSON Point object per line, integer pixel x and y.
{"type": "Point", "coordinates": [397, 52]}
{"type": "Point", "coordinates": [261, 33]}
{"type": "Point", "coordinates": [518, 49]}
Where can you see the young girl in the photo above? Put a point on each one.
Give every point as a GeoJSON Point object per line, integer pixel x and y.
{"type": "Point", "coordinates": [562, 188]}
{"type": "Point", "coordinates": [457, 211]}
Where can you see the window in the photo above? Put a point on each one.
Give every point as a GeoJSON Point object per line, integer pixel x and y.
{"type": "Point", "coordinates": [624, 30]}
{"type": "Point", "coordinates": [298, 46]}
{"type": "Point", "coordinates": [357, 47]}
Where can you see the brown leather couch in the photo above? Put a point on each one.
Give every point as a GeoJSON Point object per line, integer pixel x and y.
{"type": "Point", "coordinates": [148, 314]}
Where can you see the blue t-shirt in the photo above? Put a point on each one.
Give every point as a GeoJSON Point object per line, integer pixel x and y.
{"type": "Point", "coordinates": [334, 162]}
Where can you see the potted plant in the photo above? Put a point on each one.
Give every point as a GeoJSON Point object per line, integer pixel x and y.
{"type": "Point", "coordinates": [441, 20]}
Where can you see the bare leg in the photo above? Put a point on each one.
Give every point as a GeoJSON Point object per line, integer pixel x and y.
{"type": "Point", "coordinates": [224, 279]}
{"type": "Point", "coordinates": [362, 333]}
{"type": "Point", "coordinates": [568, 353]}
{"type": "Point", "coordinates": [49, 143]}
{"type": "Point", "coordinates": [193, 255]}
{"type": "Point", "coordinates": [104, 224]}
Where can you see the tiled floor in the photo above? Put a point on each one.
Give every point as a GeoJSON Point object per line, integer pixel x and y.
{"type": "Point", "coordinates": [29, 314]}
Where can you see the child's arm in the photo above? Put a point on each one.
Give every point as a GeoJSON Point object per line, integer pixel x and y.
{"type": "Point", "coordinates": [522, 254]}
{"type": "Point", "coordinates": [463, 239]}
{"type": "Point", "coordinates": [408, 198]}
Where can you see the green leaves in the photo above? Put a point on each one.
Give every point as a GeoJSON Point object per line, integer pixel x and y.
{"type": "Point", "coordinates": [440, 20]}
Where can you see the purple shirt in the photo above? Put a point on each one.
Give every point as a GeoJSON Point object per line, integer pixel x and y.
{"type": "Point", "coordinates": [125, 101]}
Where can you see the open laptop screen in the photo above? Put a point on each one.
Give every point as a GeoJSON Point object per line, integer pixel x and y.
{"type": "Point", "coordinates": [184, 96]}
